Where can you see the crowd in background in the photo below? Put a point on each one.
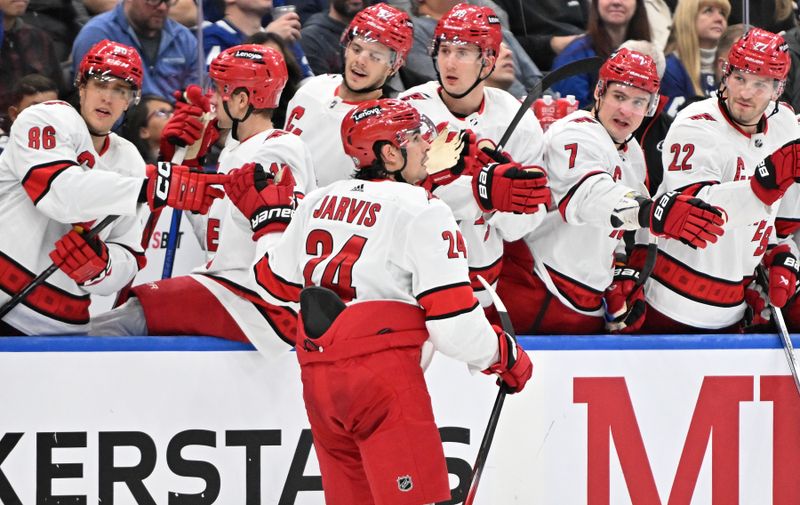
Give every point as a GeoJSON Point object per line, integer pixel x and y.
{"type": "Point", "coordinates": [49, 37]}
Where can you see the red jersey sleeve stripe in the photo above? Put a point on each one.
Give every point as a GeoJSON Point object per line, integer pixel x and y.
{"type": "Point", "coordinates": [447, 301]}
{"type": "Point", "coordinates": [785, 226]}
{"type": "Point", "coordinates": [275, 285]}
{"type": "Point", "coordinates": [562, 205]}
{"type": "Point", "coordinates": [39, 178]}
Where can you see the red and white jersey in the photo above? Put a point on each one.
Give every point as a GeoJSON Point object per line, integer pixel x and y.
{"type": "Point", "coordinates": [231, 263]}
{"type": "Point", "coordinates": [484, 233]}
{"type": "Point", "coordinates": [51, 178]}
{"type": "Point", "coordinates": [708, 155]}
{"type": "Point", "coordinates": [383, 240]}
{"type": "Point", "coordinates": [315, 113]}
{"type": "Point", "coordinates": [574, 247]}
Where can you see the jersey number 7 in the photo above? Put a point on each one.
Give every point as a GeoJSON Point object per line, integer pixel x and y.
{"type": "Point", "coordinates": [338, 273]}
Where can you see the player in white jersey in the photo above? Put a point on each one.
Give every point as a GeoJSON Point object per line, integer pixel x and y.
{"type": "Point", "coordinates": [63, 168]}
{"type": "Point", "coordinates": [562, 277]}
{"type": "Point", "coordinates": [465, 48]}
{"type": "Point", "coordinates": [219, 298]}
{"type": "Point", "coordinates": [728, 151]}
{"type": "Point", "coordinates": [376, 43]}
{"type": "Point", "coordinates": [394, 253]}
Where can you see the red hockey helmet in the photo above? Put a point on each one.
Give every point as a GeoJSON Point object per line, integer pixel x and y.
{"type": "Point", "coordinates": [386, 119]}
{"type": "Point", "coordinates": [469, 24]}
{"type": "Point", "coordinates": [760, 52]}
{"type": "Point", "coordinates": [258, 69]}
{"type": "Point", "coordinates": [112, 59]}
{"type": "Point", "coordinates": [385, 24]}
{"type": "Point", "coordinates": [634, 69]}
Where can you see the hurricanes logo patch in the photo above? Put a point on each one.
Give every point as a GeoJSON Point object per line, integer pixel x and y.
{"type": "Point", "coordinates": [404, 483]}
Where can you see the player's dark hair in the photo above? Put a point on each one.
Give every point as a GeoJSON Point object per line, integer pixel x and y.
{"type": "Point", "coordinates": [31, 84]}
{"type": "Point", "coordinates": [377, 170]}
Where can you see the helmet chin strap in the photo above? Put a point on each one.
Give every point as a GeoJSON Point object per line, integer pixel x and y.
{"type": "Point", "coordinates": [235, 126]}
{"type": "Point", "coordinates": [398, 174]}
{"type": "Point", "coordinates": [479, 80]}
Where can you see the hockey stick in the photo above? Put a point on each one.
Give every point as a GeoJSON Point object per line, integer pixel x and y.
{"type": "Point", "coordinates": [488, 435]}
{"type": "Point", "coordinates": [39, 279]}
{"type": "Point", "coordinates": [584, 66]}
{"type": "Point", "coordinates": [783, 331]}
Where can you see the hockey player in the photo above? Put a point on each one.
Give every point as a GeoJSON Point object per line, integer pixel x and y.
{"type": "Point", "coordinates": [597, 174]}
{"type": "Point", "coordinates": [738, 151]}
{"type": "Point", "coordinates": [218, 298]}
{"type": "Point", "coordinates": [63, 168]}
{"type": "Point", "coordinates": [464, 49]}
{"type": "Point", "coordinates": [396, 256]}
{"type": "Point", "coordinates": [375, 47]}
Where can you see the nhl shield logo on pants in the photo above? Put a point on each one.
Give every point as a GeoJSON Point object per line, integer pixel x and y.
{"type": "Point", "coordinates": [404, 483]}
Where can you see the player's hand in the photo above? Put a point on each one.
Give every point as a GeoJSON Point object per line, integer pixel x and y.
{"type": "Point", "coordinates": [267, 200]}
{"type": "Point", "coordinates": [777, 172]}
{"type": "Point", "coordinates": [514, 366]}
{"type": "Point", "coordinates": [189, 126]}
{"type": "Point", "coordinates": [181, 187]}
{"type": "Point", "coordinates": [510, 187]}
{"type": "Point", "coordinates": [688, 219]}
{"type": "Point", "coordinates": [286, 26]}
{"type": "Point", "coordinates": [782, 267]}
{"type": "Point", "coordinates": [624, 302]}
{"type": "Point", "coordinates": [84, 261]}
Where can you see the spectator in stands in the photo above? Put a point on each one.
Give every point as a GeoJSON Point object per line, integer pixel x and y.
{"type": "Point", "coordinates": [242, 20]}
{"type": "Point", "coordinates": [503, 75]}
{"type": "Point", "coordinates": [419, 68]}
{"type": "Point", "coordinates": [144, 123]}
{"type": "Point", "coordinates": [307, 8]}
{"type": "Point", "coordinates": [274, 41]}
{"type": "Point", "coordinates": [731, 35]}
{"type": "Point", "coordinates": [545, 27]}
{"type": "Point", "coordinates": [791, 94]}
{"type": "Point", "coordinates": [61, 20]}
{"type": "Point", "coordinates": [323, 32]}
{"type": "Point", "coordinates": [29, 90]}
{"type": "Point", "coordinates": [773, 15]}
{"type": "Point", "coordinates": [698, 26]}
{"type": "Point", "coordinates": [611, 22]}
{"type": "Point", "coordinates": [168, 49]}
{"type": "Point", "coordinates": [659, 14]}
{"type": "Point", "coordinates": [25, 50]}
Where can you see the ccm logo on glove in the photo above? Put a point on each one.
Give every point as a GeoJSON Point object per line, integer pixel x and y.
{"type": "Point", "coordinates": [164, 171]}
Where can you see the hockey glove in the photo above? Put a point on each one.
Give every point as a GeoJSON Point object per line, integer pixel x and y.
{"type": "Point", "coordinates": [510, 187]}
{"type": "Point", "coordinates": [267, 200]}
{"type": "Point", "coordinates": [688, 219]}
{"type": "Point", "coordinates": [190, 125]}
{"type": "Point", "coordinates": [514, 367]}
{"type": "Point", "coordinates": [182, 188]}
{"type": "Point", "coordinates": [782, 267]}
{"type": "Point", "coordinates": [777, 172]}
{"type": "Point", "coordinates": [624, 302]}
{"type": "Point", "coordinates": [85, 261]}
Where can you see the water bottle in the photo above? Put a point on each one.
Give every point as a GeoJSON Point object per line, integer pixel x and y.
{"type": "Point", "coordinates": [566, 106]}
{"type": "Point", "coordinates": [279, 8]}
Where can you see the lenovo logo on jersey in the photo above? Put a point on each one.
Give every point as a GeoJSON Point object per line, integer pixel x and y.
{"type": "Point", "coordinates": [249, 55]}
{"type": "Point", "coordinates": [364, 114]}
{"type": "Point", "coordinates": [404, 483]}
{"type": "Point", "coordinates": [271, 215]}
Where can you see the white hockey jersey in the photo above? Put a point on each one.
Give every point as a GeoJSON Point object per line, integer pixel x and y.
{"type": "Point", "coordinates": [383, 240]}
{"type": "Point", "coordinates": [315, 113]}
{"type": "Point", "coordinates": [711, 156]}
{"type": "Point", "coordinates": [484, 233]}
{"type": "Point", "coordinates": [51, 178]}
{"type": "Point", "coordinates": [228, 274]}
{"type": "Point", "coordinates": [574, 247]}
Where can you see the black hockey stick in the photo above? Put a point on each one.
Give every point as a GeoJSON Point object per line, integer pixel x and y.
{"type": "Point", "coordinates": [39, 279]}
{"type": "Point", "coordinates": [783, 331]}
{"type": "Point", "coordinates": [491, 426]}
{"type": "Point", "coordinates": [584, 66]}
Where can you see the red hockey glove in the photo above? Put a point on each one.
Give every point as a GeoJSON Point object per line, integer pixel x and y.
{"type": "Point", "coordinates": [514, 367]}
{"type": "Point", "coordinates": [688, 219]}
{"type": "Point", "coordinates": [758, 313]}
{"type": "Point", "coordinates": [84, 261]}
{"type": "Point", "coordinates": [187, 126]}
{"type": "Point", "coordinates": [267, 200]}
{"type": "Point", "coordinates": [182, 188]}
{"type": "Point", "coordinates": [510, 187]}
{"type": "Point", "coordinates": [624, 302]}
{"type": "Point", "coordinates": [777, 172]}
{"type": "Point", "coordinates": [782, 267]}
